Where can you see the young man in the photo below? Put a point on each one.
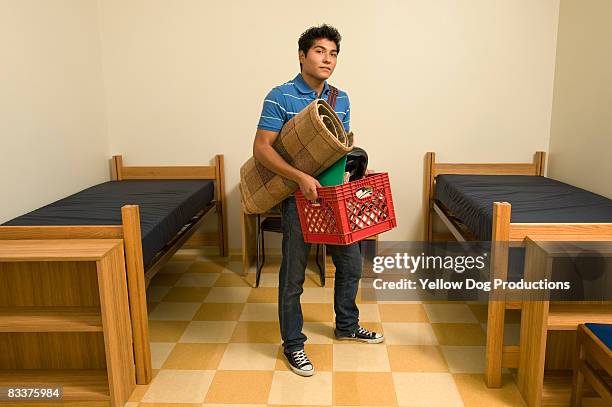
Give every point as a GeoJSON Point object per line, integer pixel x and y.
{"type": "Point", "coordinates": [318, 49]}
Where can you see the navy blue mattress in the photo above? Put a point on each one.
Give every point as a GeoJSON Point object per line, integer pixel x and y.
{"type": "Point", "coordinates": [534, 200]}
{"type": "Point", "coordinates": [165, 207]}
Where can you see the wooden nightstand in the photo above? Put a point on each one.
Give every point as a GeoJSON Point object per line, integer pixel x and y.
{"type": "Point", "coordinates": [64, 320]}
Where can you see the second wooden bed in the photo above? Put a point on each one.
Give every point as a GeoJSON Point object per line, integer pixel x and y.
{"type": "Point", "coordinates": [503, 234]}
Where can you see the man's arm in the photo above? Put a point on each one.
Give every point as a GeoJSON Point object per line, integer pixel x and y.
{"type": "Point", "coordinates": [267, 155]}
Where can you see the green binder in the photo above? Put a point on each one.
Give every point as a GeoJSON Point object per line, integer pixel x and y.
{"type": "Point", "coordinates": [334, 175]}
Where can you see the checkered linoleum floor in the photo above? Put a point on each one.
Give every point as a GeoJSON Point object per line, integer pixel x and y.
{"type": "Point", "coordinates": [215, 340]}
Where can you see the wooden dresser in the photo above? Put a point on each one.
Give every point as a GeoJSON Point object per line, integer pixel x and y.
{"type": "Point", "coordinates": [64, 320]}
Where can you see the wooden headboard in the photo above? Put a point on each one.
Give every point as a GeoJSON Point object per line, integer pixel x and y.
{"type": "Point", "coordinates": [433, 169]}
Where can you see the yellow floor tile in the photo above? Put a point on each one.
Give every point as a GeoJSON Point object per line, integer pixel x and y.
{"type": "Point", "coordinates": [263, 294]}
{"type": "Point", "coordinates": [318, 312]}
{"type": "Point", "coordinates": [168, 405]}
{"type": "Point", "coordinates": [208, 332]}
{"type": "Point", "coordinates": [426, 390]}
{"type": "Point", "coordinates": [415, 358]}
{"type": "Point", "coordinates": [450, 313]}
{"type": "Point", "coordinates": [289, 388]}
{"type": "Point", "coordinates": [459, 334]}
{"type": "Point", "coordinates": [240, 387]}
{"type": "Point", "coordinates": [186, 294]}
{"type": "Point", "coordinates": [198, 356]}
{"type": "Point", "coordinates": [366, 296]}
{"type": "Point", "coordinates": [231, 280]}
{"type": "Point", "coordinates": [256, 332]}
{"type": "Point", "coordinates": [175, 267]}
{"type": "Point", "coordinates": [317, 295]}
{"type": "Point", "coordinates": [402, 313]}
{"type": "Point", "coordinates": [181, 255]}
{"type": "Point", "coordinates": [314, 280]}
{"type": "Point", "coordinates": [319, 332]}
{"type": "Point", "coordinates": [475, 393]}
{"type": "Point", "coordinates": [465, 359]}
{"type": "Point", "coordinates": [513, 316]}
{"type": "Point", "coordinates": [218, 312]}
{"type": "Point", "coordinates": [228, 294]}
{"type": "Point", "coordinates": [266, 280]}
{"type": "Point", "coordinates": [369, 313]}
{"type": "Point", "coordinates": [361, 357]}
{"type": "Point", "coordinates": [174, 311]}
{"type": "Point", "coordinates": [259, 312]}
{"type": "Point", "coordinates": [166, 331]}
{"type": "Point", "coordinates": [197, 280]}
{"type": "Point", "coordinates": [207, 267]}
{"type": "Point", "coordinates": [179, 386]}
{"type": "Point", "coordinates": [321, 356]}
{"type": "Point", "coordinates": [292, 405]}
{"type": "Point", "coordinates": [159, 353]}
{"type": "Point", "coordinates": [249, 356]}
{"type": "Point", "coordinates": [233, 405]}
{"type": "Point", "coordinates": [365, 388]}
{"type": "Point", "coordinates": [271, 265]}
{"type": "Point", "coordinates": [409, 333]}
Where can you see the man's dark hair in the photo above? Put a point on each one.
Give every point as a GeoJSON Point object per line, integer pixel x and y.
{"type": "Point", "coordinates": [308, 37]}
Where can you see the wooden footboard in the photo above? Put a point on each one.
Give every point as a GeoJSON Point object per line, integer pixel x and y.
{"type": "Point", "coordinates": [129, 231]}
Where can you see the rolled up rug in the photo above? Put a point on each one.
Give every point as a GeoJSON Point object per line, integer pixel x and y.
{"type": "Point", "coordinates": [312, 141]}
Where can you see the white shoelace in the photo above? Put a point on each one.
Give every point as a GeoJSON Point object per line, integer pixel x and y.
{"type": "Point", "coordinates": [364, 331]}
{"type": "Point", "coordinates": [300, 358]}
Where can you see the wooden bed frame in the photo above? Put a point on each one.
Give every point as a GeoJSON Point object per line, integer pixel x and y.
{"type": "Point", "coordinates": [504, 233]}
{"type": "Point", "coordinates": [129, 232]}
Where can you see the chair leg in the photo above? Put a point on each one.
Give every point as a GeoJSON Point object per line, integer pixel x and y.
{"type": "Point", "coordinates": [263, 260]}
{"type": "Point", "coordinates": [263, 249]}
{"type": "Point", "coordinates": [319, 266]}
{"type": "Point", "coordinates": [258, 267]}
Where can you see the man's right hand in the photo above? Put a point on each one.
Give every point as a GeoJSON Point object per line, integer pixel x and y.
{"type": "Point", "coordinates": [308, 186]}
{"type": "Point", "coordinates": [265, 154]}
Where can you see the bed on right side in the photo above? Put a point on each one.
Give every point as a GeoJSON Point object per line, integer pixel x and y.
{"type": "Point", "coordinates": [504, 203]}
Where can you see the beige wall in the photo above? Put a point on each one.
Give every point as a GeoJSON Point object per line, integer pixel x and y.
{"type": "Point", "coordinates": [471, 80]}
{"type": "Point", "coordinates": [184, 80]}
{"type": "Point", "coordinates": [581, 130]}
{"type": "Point", "coordinates": [52, 132]}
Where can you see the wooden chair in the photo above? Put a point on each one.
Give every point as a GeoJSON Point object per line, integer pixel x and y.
{"type": "Point", "coordinates": [593, 354]}
{"type": "Point", "coordinates": [271, 222]}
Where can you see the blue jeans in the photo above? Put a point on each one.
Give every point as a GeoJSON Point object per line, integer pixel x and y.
{"type": "Point", "coordinates": [347, 260]}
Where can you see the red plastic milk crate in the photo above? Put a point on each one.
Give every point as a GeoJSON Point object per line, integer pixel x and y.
{"type": "Point", "coordinates": [347, 213]}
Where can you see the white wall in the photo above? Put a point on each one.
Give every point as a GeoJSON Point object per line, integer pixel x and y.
{"type": "Point", "coordinates": [471, 80]}
{"type": "Point", "coordinates": [52, 130]}
{"type": "Point", "coordinates": [184, 80]}
{"type": "Point", "coordinates": [581, 131]}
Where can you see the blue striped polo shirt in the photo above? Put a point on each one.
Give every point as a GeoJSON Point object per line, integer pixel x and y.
{"type": "Point", "coordinates": [285, 101]}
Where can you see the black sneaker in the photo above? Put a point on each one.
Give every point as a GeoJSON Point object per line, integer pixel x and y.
{"type": "Point", "coordinates": [363, 335]}
{"type": "Point", "coordinates": [299, 363]}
